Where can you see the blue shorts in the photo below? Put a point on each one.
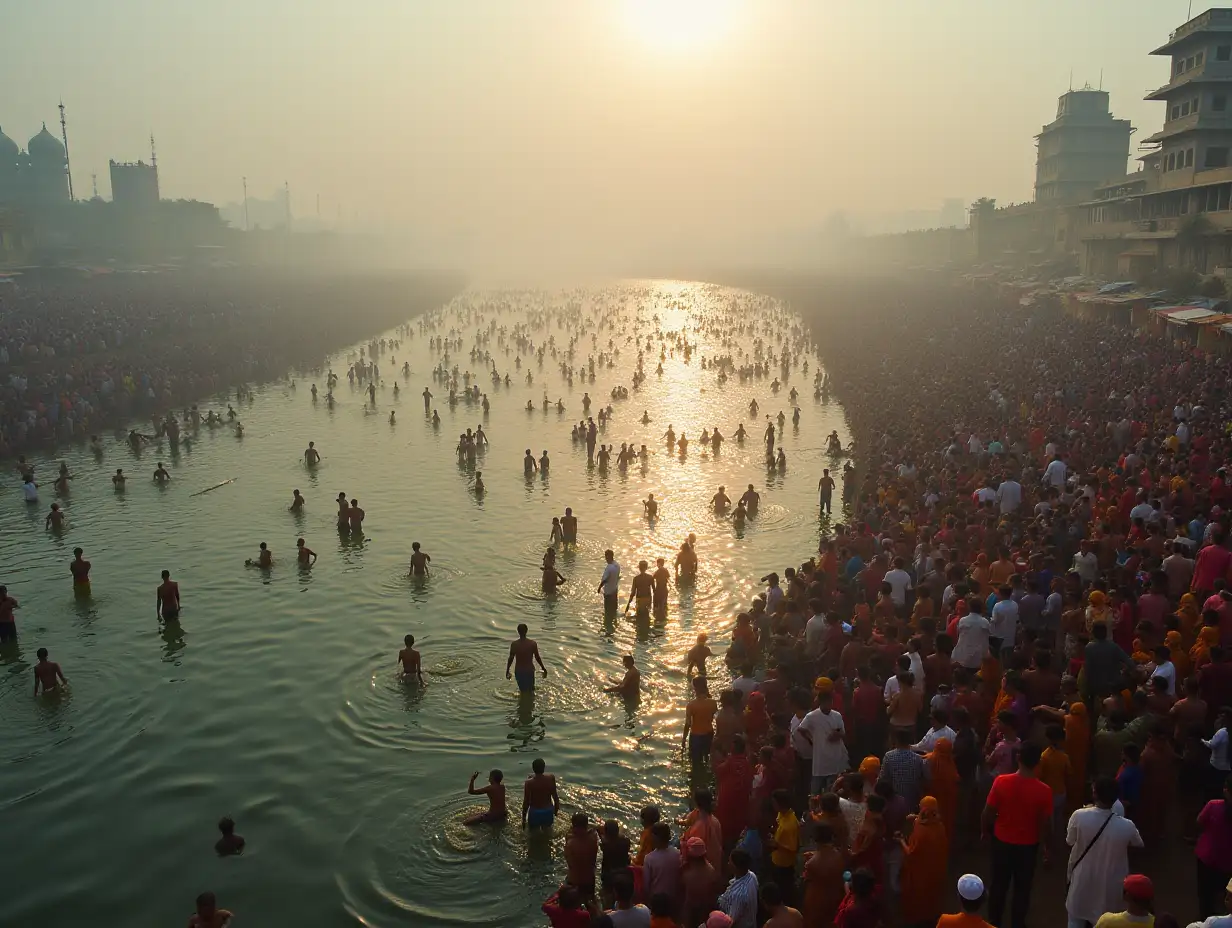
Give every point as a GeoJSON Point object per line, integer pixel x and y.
{"type": "Point", "coordinates": [526, 680]}
{"type": "Point", "coordinates": [540, 817]}
{"type": "Point", "coordinates": [699, 747]}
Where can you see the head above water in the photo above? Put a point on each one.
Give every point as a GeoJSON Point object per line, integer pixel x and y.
{"type": "Point", "coordinates": [522, 630]}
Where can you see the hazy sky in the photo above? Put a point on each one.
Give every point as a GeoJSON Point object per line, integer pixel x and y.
{"type": "Point", "coordinates": [573, 127]}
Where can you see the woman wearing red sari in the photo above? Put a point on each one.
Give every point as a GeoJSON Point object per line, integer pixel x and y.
{"type": "Point", "coordinates": [926, 855]}
{"type": "Point", "coordinates": [734, 776]}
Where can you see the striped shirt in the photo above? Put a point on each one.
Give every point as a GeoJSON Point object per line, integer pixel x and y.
{"type": "Point", "coordinates": [739, 901]}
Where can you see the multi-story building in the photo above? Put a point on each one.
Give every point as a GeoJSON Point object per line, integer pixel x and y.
{"type": "Point", "coordinates": [36, 178]}
{"type": "Point", "coordinates": [134, 186]}
{"type": "Point", "coordinates": [1177, 209]}
{"type": "Point", "coordinates": [1083, 147]}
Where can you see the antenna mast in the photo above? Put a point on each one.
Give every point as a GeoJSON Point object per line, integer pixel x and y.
{"type": "Point", "coordinates": [286, 186]}
{"type": "Point", "coordinates": [68, 167]}
{"type": "Point", "coordinates": [245, 204]}
{"type": "Point", "coordinates": [153, 153]}
{"type": "Point", "coordinates": [94, 182]}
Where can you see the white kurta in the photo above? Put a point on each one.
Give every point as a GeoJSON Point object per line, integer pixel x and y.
{"type": "Point", "coordinates": [1096, 884]}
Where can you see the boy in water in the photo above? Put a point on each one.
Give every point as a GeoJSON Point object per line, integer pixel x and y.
{"type": "Point", "coordinates": [304, 554]}
{"type": "Point", "coordinates": [265, 558]}
{"type": "Point", "coordinates": [408, 657]}
{"type": "Point", "coordinates": [495, 791]}
{"type": "Point", "coordinates": [47, 674]}
{"type": "Point", "coordinates": [697, 657]}
{"type": "Point", "coordinates": [630, 684]}
{"type": "Point", "coordinates": [79, 567]}
{"type": "Point", "coordinates": [297, 501]}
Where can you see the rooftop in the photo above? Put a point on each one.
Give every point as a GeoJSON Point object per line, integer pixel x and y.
{"type": "Point", "coordinates": [1217, 19]}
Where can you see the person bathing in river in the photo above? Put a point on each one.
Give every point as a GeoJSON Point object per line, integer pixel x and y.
{"type": "Point", "coordinates": [641, 589]}
{"type": "Point", "coordinates": [355, 518]}
{"type": "Point", "coordinates": [167, 599]}
{"type": "Point", "coordinates": [79, 567]}
{"type": "Point", "coordinates": [495, 791]}
{"type": "Point", "coordinates": [265, 559]}
{"type": "Point", "coordinates": [523, 655]}
{"type": "Point", "coordinates": [160, 474]}
{"type": "Point", "coordinates": [297, 501]}
{"type": "Point", "coordinates": [304, 554]}
{"type": "Point", "coordinates": [630, 684]}
{"type": "Point", "coordinates": [412, 666]}
{"type": "Point", "coordinates": [55, 518]}
{"type": "Point", "coordinates": [540, 800]}
{"type": "Point", "coordinates": [419, 561]}
{"type": "Point", "coordinates": [47, 674]}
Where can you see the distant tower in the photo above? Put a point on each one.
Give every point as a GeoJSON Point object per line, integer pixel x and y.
{"type": "Point", "coordinates": [68, 166]}
{"type": "Point", "coordinates": [94, 183]}
{"type": "Point", "coordinates": [245, 204]}
{"type": "Point", "coordinates": [1084, 146]}
{"type": "Point", "coordinates": [286, 187]}
{"type": "Point", "coordinates": [153, 153]}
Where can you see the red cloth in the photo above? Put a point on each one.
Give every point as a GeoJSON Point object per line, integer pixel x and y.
{"type": "Point", "coordinates": [1021, 804]}
{"type": "Point", "coordinates": [735, 779]}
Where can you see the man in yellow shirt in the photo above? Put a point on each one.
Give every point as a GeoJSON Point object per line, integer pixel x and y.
{"type": "Point", "coordinates": [784, 845]}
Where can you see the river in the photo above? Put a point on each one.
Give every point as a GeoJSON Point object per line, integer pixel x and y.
{"type": "Point", "coordinates": [276, 698]}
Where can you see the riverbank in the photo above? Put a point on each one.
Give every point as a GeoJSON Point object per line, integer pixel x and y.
{"type": "Point", "coordinates": [80, 353]}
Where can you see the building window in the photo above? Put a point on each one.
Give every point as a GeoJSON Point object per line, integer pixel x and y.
{"type": "Point", "coordinates": [1171, 163]}
{"type": "Point", "coordinates": [1223, 53]}
{"type": "Point", "coordinates": [1198, 59]}
{"type": "Point", "coordinates": [1219, 102]}
{"type": "Point", "coordinates": [1185, 108]}
{"type": "Point", "coordinates": [1189, 157]}
{"type": "Point", "coordinates": [1217, 157]}
{"type": "Point", "coordinates": [1189, 63]}
{"type": "Point", "coordinates": [1176, 111]}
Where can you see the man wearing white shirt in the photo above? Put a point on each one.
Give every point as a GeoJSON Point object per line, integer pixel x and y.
{"type": "Point", "coordinates": [609, 586]}
{"type": "Point", "coordinates": [900, 583]}
{"type": "Point", "coordinates": [1004, 622]}
{"type": "Point", "coordinates": [972, 645]}
{"type": "Point", "coordinates": [1054, 473]}
{"type": "Point", "coordinates": [823, 727]}
{"type": "Point", "coordinates": [974, 445]}
{"type": "Point", "coordinates": [940, 729]}
{"type": "Point", "coordinates": [1143, 510]}
{"type": "Point", "coordinates": [1009, 496]}
{"type": "Point", "coordinates": [814, 632]}
{"type": "Point", "coordinates": [1086, 564]}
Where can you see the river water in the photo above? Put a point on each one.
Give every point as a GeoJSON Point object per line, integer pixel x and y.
{"type": "Point", "coordinates": [276, 698]}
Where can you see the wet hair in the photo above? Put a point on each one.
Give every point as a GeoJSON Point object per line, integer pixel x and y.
{"type": "Point", "coordinates": [166, 575]}
{"type": "Point", "coordinates": [226, 825]}
{"type": "Point", "coordinates": [538, 765]}
{"type": "Point", "coordinates": [410, 640]}
{"type": "Point", "coordinates": [496, 775]}
{"type": "Point", "coordinates": [580, 820]}
{"type": "Point", "coordinates": [42, 654]}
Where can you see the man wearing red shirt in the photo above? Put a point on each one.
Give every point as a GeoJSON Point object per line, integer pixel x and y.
{"type": "Point", "coordinates": [1212, 564]}
{"type": "Point", "coordinates": [1018, 818]}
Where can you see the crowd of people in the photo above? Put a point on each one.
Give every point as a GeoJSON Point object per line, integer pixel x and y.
{"type": "Point", "coordinates": [80, 353]}
{"type": "Point", "coordinates": [1014, 650]}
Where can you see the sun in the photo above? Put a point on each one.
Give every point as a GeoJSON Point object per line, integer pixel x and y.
{"type": "Point", "coordinates": [677, 25]}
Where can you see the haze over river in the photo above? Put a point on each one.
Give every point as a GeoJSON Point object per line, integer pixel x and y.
{"type": "Point", "coordinates": [276, 698]}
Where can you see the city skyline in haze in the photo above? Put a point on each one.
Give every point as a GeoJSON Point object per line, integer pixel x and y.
{"type": "Point", "coordinates": [579, 132]}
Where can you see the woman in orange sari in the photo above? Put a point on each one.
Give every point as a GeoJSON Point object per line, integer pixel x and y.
{"type": "Point", "coordinates": [943, 782]}
{"type": "Point", "coordinates": [1178, 655]}
{"type": "Point", "coordinates": [1200, 653]}
{"type": "Point", "coordinates": [1077, 746]}
{"type": "Point", "coordinates": [1188, 615]}
{"type": "Point", "coordinates": [926, 856]}
{"type": "Point", "coordinates": [756, 722]}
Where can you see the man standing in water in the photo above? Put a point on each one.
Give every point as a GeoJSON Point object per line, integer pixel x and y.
{"type": "Point", "coordinates": [355, 518]}
{"type": "Point", "coordinates": [751, 498]}
{"type": "Point", "coordinates": [609, 586]}
{"type": "Point", "coordinates": [523, 655]}
{"type": "Point", "coordinates": [160, 474]}
{"type": "Point", "coordinates": [427, 395]}
{"type": "Point", "coordinates": [419, 561]}
{"type": "Point", "coordinates": [342, 512]}
{"type": "Point", "coordinates": [568, 527]}
{"type": "Point", "coordinates": [540, 801]}
{"type": "Point", "coordinates": [528, 464]}
{"type": "Point", "coordinates": [408, 657]}
{"type": "Point", "coordinates": [641, 590]}
{"type": "Point", "coordinates": [662, 577]}
{"type": "Point", "coordinates": [592, 436]}
{"type": "Point", "coordinates": [8, 625]}
{"type": "Point", "coordinates": [79, 567]}
{"type": "Point", "coordinates": [167, 601]}
{"type": "Point", "coordinates": [47, 674]}
{"type": "Point", "coordinates": [312, 457]}
{"type": "Point", "coordinates": [297, 502]}
{"type": "Point", "coordinates": [825, 486]}
{"type": "Point", "coordinates": [304, 555]}
{"type": "Point", "coordinates": [720, 501]}
{"type": "Point", "coordinates": [630, 684]}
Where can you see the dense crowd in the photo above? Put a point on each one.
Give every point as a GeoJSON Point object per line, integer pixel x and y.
{"type": "Point", "coordinates": [79, 354]}
{"type": "Point", "coordinates": [1016, 649]}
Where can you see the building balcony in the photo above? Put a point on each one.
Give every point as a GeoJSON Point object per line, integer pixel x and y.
{"type": "Point", "coordinates": [1209, 72]}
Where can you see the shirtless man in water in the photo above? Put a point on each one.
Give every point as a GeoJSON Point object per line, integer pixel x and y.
{"type": "Point", "coordinates": [312, 456]}
{"type": "Point", "coordinates": [630, 684]}
{"type": "Point", "coordinates": [297, 501]}
{"type": "Point", "coordinates": [641, 589]}
{"type": "Point", "coordinates": [419, 561]}
{"type": "Point", "coordinates": [79, 567]}
{"type": "Point", "coordinates": [265, 558]}
{"type": "Point", "coordinates": [343, 509]}
{"type": "Point", "coordinates": [55, 518]}
{"type": "Point", "coordinates": [167, 603]}
{"type": "Point", "coordinates": [160, 474]}
{"type": "Point", "coordinates": [408, 657]}
{"type": "Point", "coordinates": [47, 674]}
{"type": "Point", "coordinates": [720, 501]}
{"type": "Point", "coordinates": [355, 518]}
{"type": "Point", "coordinates": [304, 554]}
{"type": "Point", "coordinates": [540, 802]}
{"type": "Point", "coordinates": [495, 791]}
{"type": "Point", "coordinates": [523, 655]}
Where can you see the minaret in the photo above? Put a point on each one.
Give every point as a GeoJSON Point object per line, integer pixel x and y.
{"type": "Point", "coordinates": [68, 167]}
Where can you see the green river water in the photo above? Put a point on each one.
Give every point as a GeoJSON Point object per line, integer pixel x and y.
{"type": "Point", "coordinates": [276, 697]}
